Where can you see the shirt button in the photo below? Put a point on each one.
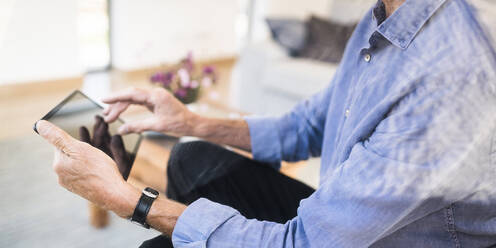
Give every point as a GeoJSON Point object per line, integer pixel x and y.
{"type": "Point", "coordinates": [347, 113]}
{"type": "Point", "coordinates": [367, 57]}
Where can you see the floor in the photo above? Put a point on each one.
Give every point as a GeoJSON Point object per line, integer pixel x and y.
{"type": "Point", "coordinates": [36, 212]}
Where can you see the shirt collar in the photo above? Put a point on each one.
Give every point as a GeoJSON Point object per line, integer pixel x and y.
{"type": "Point", "coordinates": [404, 24]}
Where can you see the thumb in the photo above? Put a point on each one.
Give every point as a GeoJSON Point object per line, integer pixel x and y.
{"type": "Point", "coordinates": [55, 136]}
{"type": "Point", "coordinates": [137, 126]}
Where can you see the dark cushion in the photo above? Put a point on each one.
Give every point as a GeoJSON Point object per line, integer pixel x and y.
{"type": "Point", "coordinates": [291, 34]}
{"type": "Point", "coordinates": [326, 40]}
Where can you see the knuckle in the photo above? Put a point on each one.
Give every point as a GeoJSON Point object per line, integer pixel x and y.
{"type": "Point", "coordinates": [159, 90]}
{"type": "Point", "coordinates": [156, 126]}
{"type": "Point", "coordinates": [67, 151]}
{"type": "Point", "coordinates": [58, 142]}
{"type": "Point", "coordinates": [121, 107]}
{"type": "Point", "coordinates": [160, 95]}
{"type": "Point", "coordinates": [57, 168]}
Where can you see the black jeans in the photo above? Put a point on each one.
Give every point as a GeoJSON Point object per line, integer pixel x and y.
{"type": "Point", "coordinates": [204, 170]}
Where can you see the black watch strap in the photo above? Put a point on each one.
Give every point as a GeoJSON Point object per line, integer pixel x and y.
{"type": "Point", "coordinates": [143, 207]}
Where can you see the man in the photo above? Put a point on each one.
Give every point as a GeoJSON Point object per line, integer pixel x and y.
{"type": "Point", "coordinates": [405, 132]}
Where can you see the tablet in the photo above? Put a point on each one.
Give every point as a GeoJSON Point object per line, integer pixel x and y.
{"type": "Point", "coordinates": [78, 110]}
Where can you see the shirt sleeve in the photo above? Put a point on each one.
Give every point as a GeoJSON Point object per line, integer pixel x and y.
{"type": "Point", "coordinates": [294, 136]}
{"type": "Point", "coordinates": [431, 150]}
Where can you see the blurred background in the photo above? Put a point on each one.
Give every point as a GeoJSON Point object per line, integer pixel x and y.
{"type": "Point", "coordinates": [223, 58]}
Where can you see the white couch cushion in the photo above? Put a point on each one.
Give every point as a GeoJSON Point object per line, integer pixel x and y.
{"type": "Point", "coordinates": [299, 78]}
{"type": "Point", "coordinates": [487, 15]}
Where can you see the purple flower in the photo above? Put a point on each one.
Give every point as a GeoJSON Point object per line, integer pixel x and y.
{"type": "Point", "coordinates": [208, 70]}
{"type": "Point", "coordinates": [157, 77]}
{"type": "Point", "coordinates": [167, 78]}
{"type": "Point", "coordinates": [181, 93]}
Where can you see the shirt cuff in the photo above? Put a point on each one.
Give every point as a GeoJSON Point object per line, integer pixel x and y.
{"type": "Point", "coordinates": [265, 140]}
{"type": "Point", "coordinates": [199, 221]}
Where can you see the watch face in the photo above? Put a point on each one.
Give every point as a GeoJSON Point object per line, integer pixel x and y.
{"type": "Point", "coordinates": [150, 192]}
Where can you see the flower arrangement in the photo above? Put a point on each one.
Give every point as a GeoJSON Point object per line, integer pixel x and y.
{"type": "Point", "coordinates": [184, 81]}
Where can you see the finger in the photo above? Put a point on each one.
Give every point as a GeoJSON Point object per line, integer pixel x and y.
{"type": "Point", "coordinates": [133, 95]}
{"type": "Point", "coordinates": [106, 110]}
{"type": "Point", "coordinates": [56, 136]}
{"type": "Point", "coordinates": [121, 156]}
{"type": "Point", "coordinates": [101, 136]}
{"type": "Point", "coordinates": [137, 126]}
{"type": "Point", "coordinates": [114, 111]}
{"type": "Point", "coordinates": [84, 135]}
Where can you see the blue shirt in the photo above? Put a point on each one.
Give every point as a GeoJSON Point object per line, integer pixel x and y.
{"type": "Point", "coordinates": [405, 132]}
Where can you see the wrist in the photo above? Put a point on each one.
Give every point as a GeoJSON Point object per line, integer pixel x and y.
{"type": "Point", "coordinates": [164, 214]}
{"type": "Point", "coordinates": [127, 199]}
{"type": "Point", "coordinates": [194, 124]}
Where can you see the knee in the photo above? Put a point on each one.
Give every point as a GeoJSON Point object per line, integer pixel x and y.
{"type": "Point", "coordinates": [184, 154]}
{"type": "Point", "coordinates": [183, 167]}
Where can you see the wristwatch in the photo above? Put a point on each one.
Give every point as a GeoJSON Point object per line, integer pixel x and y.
{"type": "Point", "coordinates": [148, 195]}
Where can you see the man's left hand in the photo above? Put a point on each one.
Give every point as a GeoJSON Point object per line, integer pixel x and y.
{"type": "Point", "coordinates": [89, 172]}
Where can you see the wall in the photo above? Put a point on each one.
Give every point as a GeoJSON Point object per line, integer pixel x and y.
{"type": "Point", "coordinates": [149, 32]}
{"type": "Point", "coordinates": [38, 40]}
{"type": "Point", "coordinates": [296, 8]}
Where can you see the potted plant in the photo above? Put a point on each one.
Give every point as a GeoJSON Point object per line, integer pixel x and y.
{"type": "Point", "coordinates": [184, 80]}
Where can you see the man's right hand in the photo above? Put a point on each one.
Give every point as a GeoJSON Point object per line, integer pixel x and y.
{"type": "Point", "coordinates": [169, 114]}
{"type": "Point", "coordinates": [172, 117]}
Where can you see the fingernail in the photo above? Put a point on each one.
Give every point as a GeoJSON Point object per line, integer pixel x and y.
{"type": "Point", "coordinates": [122, 129]}
{"type": "Point", "coordinates": [34, 127]}
{"type": "Point", "coordinates": [38, 127]}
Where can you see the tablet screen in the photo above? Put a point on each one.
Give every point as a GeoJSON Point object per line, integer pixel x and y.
{"type": "Point", "coordinates": [79, 110]}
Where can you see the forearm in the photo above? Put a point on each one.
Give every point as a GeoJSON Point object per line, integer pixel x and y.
{"type": "Point", "coordinates": [222, 131]}
{"type": "Point", "coordinates": [163, 214]}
